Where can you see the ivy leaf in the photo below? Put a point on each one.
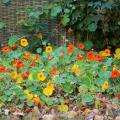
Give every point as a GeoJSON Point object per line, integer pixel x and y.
{"type": "Point", "coordinates": [1, 25]}
{"type": "Point", "coordinates": [6, 2]}
{"type": "Point", "coordinates": [92, 27]}
{"type": "Point", "coordinates": [55, 11]}
{"type": "Point", "coordinates": [118, 22]}
{"type": "Point", "coordinates": [65, 20]}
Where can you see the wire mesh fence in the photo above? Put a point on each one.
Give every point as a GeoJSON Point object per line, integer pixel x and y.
{"type": "Point", "coordinates": [10, 17]}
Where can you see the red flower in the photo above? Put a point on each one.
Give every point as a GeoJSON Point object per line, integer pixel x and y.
{"type": "Point", "coordinates": [32, 64]}
{"type": "Point", "coordinates": [25, 74]}
{"type": "Point", "coordinates": [14, 47]}
{"type": "Point", "coordinates": [18, 63]}
{"type": "Point", "coordinates": [90, 55]}
{"type": "Point", "coordinates": [81, 46]}
{"type": "Point", "coordinates": [53, 71]}
{"type": "Point", "coordinates": [115, 74]}
{"type": "Point", "coordinates": [2, 69]}
{"type": "Point", "coordinates": [98, 58]}
{"type": "Point", "coordinates": [118, 96]}
{"type": "Point", "coordinates": [71, 48]}
{"type": "Point", "coordinates": [79, 56]}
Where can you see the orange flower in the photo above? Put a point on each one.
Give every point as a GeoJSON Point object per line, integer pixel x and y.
{"type": "Point", "coordinates": [79, 56]}
{"type": "Point", "coordinates": [6, 49]}
{"type": "Point", "coordinates": [27, 56]}
{"type": "Point", "coordinates": [106, 53]}
{"type": "Point", "coordinates": [115, 74]}
{"type": "Point", "coordinates": [36, 100]}
{"type": "Point", "coordinates": [9, 69]}
{"type": "Point", "coordinates": [81, 46]}
{"type": "Point", "coordinates": [71, 48]}
{"type": "Point", "coordinates": [36, 58]}
{"type": "Point", "coordinates": [90, 55]}
{"type": "Point", "coordinates": [2, 69]}
{"type": "Point", "coordinates": [53, 71]}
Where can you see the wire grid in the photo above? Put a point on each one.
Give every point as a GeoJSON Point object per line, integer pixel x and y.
{"type": "Point", "coordinates": [9, 17]}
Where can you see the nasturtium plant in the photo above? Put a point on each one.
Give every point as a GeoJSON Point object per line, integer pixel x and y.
{"type": "Point", "coordinates": [71, 72]}
{"type": "Point", "coordinates": [12, 40]}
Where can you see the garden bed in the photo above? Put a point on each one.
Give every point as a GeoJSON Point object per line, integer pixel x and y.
{"type": "Point", "coordinates": [72, 81]}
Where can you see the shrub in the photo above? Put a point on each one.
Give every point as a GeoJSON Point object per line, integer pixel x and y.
{"type": "Point", "coordinates": [97, 21]}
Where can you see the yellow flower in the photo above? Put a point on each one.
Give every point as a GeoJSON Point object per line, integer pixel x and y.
{"type": "Point", "coordinates": [26, 91]}
{"type": "Point", "coordinates": [47, 91]}
{"type": "Point", "coordinates": [14, 75]}
{"type": "Point", "coordinates": [19, 80]}
{"type": "Point", "coordinates": [24, 42]}
{"type": "Point", "coordinates": [105, 85]}
{"type": "Point", "coordinates": [48, 49]}
{"type": "Point", "coordinates": [106, 53]}
{"type": "Point", "coordinates": [50, 86]}
{"type": "Point", "coordinates": [41, 76]}
{"type": "Point", "coordinates": [75, 69]}
{"type": "Point", "coordinates": [105, 68]}
{"type": "Point", "coordinates": [30, 96]}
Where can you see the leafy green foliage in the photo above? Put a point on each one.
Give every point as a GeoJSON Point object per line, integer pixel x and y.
{"type": "Point", "coordinates": [97, 21]}
{"type": "Point", "coordinates": [65, 76]}
{"type": "Point", "coordinates": [1, 24]}
{"type": "Point", "coordinates": [12, 40]}
{"type": "Point", "coordinates": [35, 26]}
{"type": "Point", "coordinates": [5, 2]}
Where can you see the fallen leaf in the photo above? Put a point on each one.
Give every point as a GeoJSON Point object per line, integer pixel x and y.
{"type": "Point", "coordinates": [63, 108]}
